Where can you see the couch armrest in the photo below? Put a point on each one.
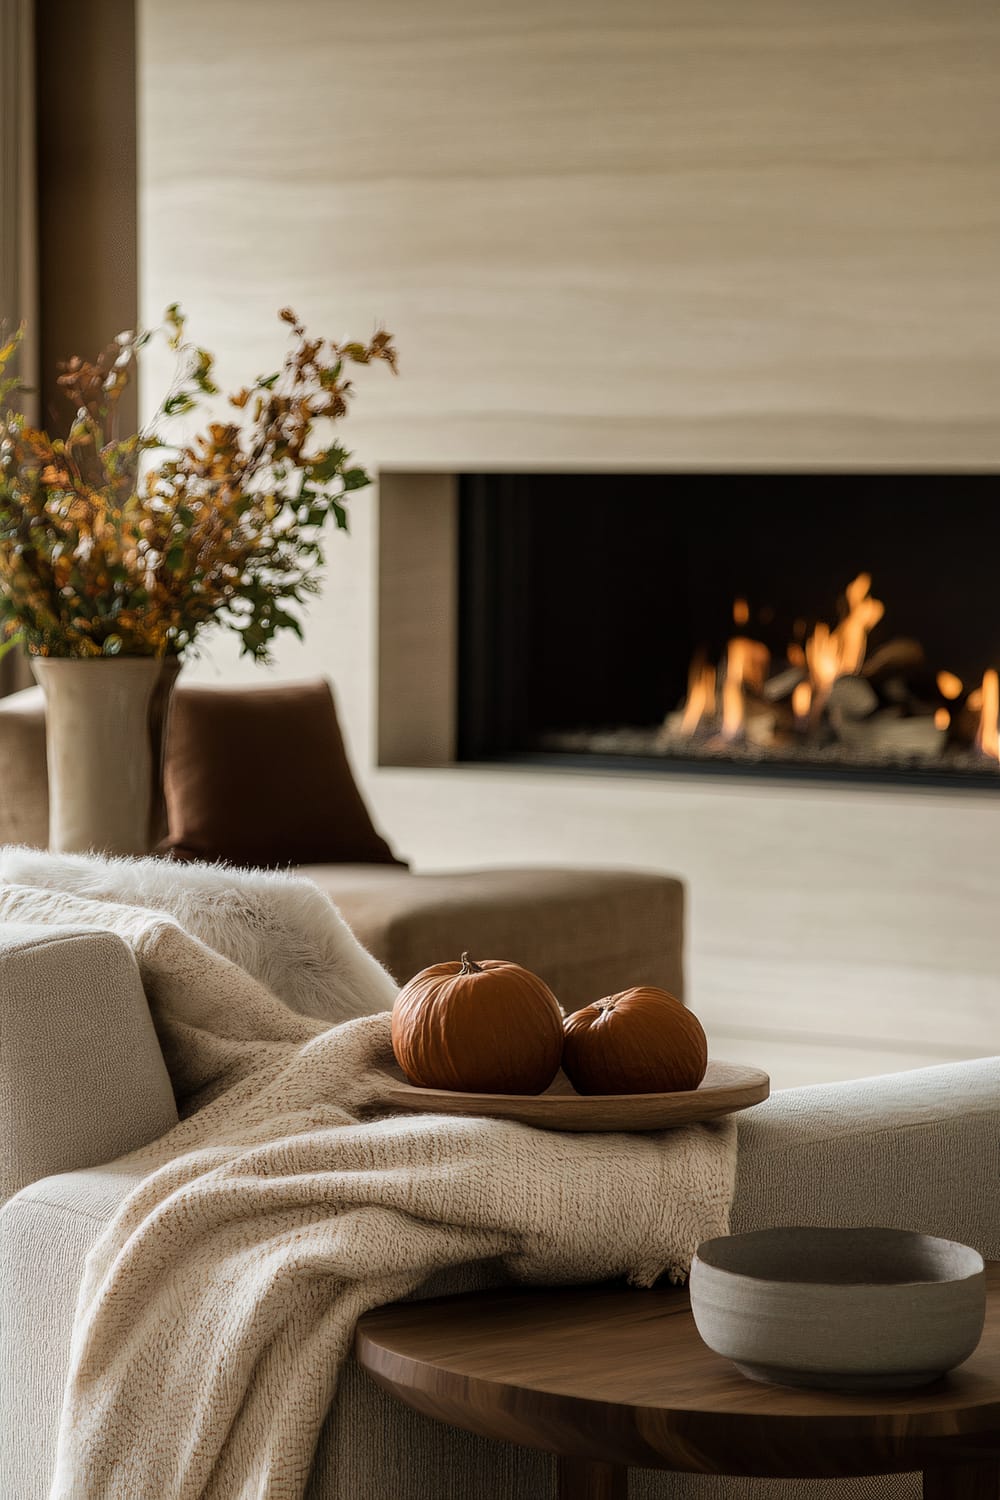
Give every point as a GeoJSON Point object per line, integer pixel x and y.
{"type": "Point", "coordinates": [917, 1150]}
{"type": "Point", "coordinates": [82, 1078]}
{"type": "Point", "coordinates": [24, 786]}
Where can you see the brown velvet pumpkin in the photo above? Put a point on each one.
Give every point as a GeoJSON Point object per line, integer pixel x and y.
{"type": "Point", "coordinates": [642, 1041]}
{"type": "Point", "coordinates": [485, 1028]}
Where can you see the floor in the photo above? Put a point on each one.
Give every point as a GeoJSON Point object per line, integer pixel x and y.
{"type": "Point", "coordinates": [834, 931]}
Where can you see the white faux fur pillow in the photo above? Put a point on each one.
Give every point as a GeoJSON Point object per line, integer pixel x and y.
{"type": "Point", "coordinates": [281, 928]}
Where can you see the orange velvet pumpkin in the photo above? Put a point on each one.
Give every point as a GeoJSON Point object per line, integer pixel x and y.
{"type": "Point", "coordinates": [642, 1041]}
{"type": "Point", "coordinates": [486, 1028]}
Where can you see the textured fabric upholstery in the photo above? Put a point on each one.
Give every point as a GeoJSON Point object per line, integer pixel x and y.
{"type": "Point", "coordinates": [916, 1150]}
{"type": "Point", "coordinates": [45, 1234]}
{"type": "Point", "coordinates": [919, 1149]}
{"type": "Point", "coordinates": [587, 933]}
{"type": "Point", "coordinates": [24, 784]}
{"type": "Point", "coordinates": [82, 1078]}
{"type": "Point", "coordinates": [305, 806]}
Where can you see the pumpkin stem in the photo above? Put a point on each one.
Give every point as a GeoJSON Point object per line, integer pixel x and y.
{"type": "Point", "coordinates": [469, 967]}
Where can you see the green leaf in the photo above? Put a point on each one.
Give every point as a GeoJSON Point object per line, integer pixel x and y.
{"type": "Point", "coordinates": [178, 403]}
{"type": "Point", "coordinates": [10, 348]}
{"type": "Point", "coordinates": [356, 479]}
{"type": "Point", "coordinates": [282, 621]}
{"type": "Point", "coordinates": [11, 644]}
{"type": "Point", "coordinates": [326, 466]}
{"type": "Point", "coordinates": [174, 319]}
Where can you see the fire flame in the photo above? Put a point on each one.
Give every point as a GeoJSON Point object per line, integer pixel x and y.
{"type": "Point", "coordinates": [840, 652]}
{"type": "Point", "coordinates": [732, 689]}
{"type": "Point", "coordinates": [802, 703]}
{"type": "Point", "coordinates": [988, 736]}
{"type": "Point", "coordinates": [700, 700]}
{"type": "Point", "coordinates": [747, 663]}
{"type": "Point", "coordinates": [829, 653]}
{"type": "Point", "coordinates": [722, 700]}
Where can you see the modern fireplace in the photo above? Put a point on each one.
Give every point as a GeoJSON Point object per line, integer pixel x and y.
{"type": "Point", "coordinates": [792, 624]}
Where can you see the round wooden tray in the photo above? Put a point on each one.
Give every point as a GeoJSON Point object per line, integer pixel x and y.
{"type": "Point", "coordinates": [725, 1088]}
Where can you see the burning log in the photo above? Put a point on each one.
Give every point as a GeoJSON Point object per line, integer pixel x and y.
{"type": "Point", "coordinates": [965, 721]}
{"type": "Point", "coordinates": [851, 700]}
{"type": "Point", "coordinates": [859, 719]}
{"type": "Point", "coordinates": [760, 723]}
{"type": "Point", "coordinates": [776, 689]}
{"type": "Point", "coordinates": [888, 733]}
{"type": "Point", "coordinates": [894, 659]}
{"type": "Point", "coordinates": [889, 707]}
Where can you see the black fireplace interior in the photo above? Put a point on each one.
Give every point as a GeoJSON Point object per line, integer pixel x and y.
{"type": "Point", "coordinates": [592, 606]}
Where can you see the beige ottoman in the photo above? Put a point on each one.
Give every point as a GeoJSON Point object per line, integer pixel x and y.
{"type": "Point", "coordinates": [586, 932]}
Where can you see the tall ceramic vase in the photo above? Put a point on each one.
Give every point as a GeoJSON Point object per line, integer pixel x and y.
{"type": "Point", "coordinates": [106, 722]}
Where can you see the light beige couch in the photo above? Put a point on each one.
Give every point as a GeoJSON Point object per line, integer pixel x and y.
{"type": "Point", "coordinates": [82, 1080]}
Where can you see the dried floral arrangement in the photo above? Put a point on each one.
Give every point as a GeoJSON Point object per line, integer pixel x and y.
{"type": "Point", "coordinates": [132, 545]}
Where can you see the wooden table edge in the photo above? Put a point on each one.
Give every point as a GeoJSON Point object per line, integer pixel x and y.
{"type": "Point", "coordinates": [684, 1439]}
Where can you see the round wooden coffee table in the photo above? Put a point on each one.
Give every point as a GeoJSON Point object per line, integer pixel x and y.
{"type": "Point", "coordinates": [606, 1377]}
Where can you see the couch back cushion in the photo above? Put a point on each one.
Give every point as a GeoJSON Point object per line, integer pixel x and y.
{"type": "Point", "coordinates": [259, 776]}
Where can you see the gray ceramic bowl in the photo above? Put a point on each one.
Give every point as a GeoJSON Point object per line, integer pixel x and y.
{"type": "Point", "coordinates": [839, 1309]}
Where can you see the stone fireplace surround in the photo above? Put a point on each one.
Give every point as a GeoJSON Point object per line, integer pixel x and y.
{"type": "Point", "coordinates": [527, 648]}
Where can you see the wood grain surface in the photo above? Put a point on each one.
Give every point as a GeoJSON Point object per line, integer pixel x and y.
{"type": "Point", "coordinates": [726, 1088]}
{"type": "Point", "coordinates": [620, 1376]}
{"type": "Point", "coordinates": [972, 1481]}
{"type": "Point", "coordinates": [580, 1480]}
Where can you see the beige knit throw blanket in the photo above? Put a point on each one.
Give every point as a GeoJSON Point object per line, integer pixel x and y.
{"type": "Point", "coordinates": [218, 1308]}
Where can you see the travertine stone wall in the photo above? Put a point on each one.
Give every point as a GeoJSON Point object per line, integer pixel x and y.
{"type": "Point", "coordinates": [616, 233]}
{"type": "Point", "coordinates": [652, 233]}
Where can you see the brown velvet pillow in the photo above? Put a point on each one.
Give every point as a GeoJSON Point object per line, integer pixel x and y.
{"type": "Point", "coordinates": [260, 776]}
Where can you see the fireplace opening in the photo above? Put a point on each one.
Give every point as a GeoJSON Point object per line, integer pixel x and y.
{"type": "Point", "coordinates": [792, 624]}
